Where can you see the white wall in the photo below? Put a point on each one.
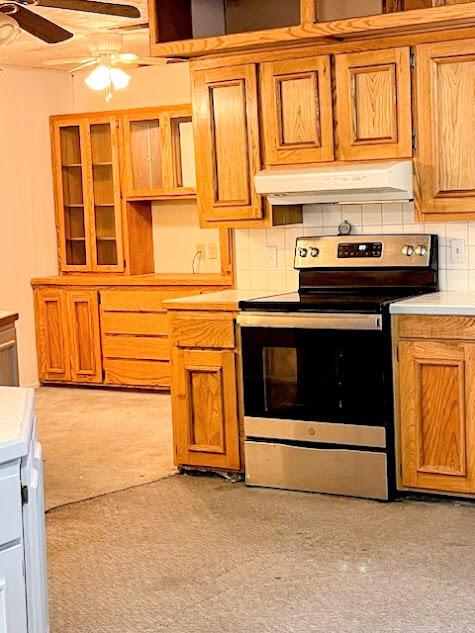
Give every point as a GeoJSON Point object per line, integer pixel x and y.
{"type": "Point", "coordinates": [27, 229]}
{"type": "Point", "coordinates": [264, 258]}
{"type": "Point", "coordinates": [159, 86]}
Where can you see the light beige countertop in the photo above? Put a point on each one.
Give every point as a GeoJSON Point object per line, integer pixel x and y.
{"type": "Point", "coordinates": [438, 303]}
{"type": "Point", "coordinates": [7, 317]}
{"type": "Point", "coordinates": [16, 414]}
{"type": "Point", "coordinates": [222, 300]}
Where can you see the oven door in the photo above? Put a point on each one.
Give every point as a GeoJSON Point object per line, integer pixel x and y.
{"type": "Point", "coordinates": [327, 368]}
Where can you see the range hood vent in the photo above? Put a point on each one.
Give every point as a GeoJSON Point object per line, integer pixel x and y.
{"type": "Point", "coordinates": [363, 182]}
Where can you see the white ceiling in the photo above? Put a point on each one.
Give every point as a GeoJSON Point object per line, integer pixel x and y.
{"type": "Point", "coordinates": [27, 50]}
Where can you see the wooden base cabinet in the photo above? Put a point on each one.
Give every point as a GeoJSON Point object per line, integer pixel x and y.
{"type": "Point", "coordinates": [437, 412]}
{"type": "Point", "coordinates": [68, 337]}
{"type": "Point", "coordinates": [204, 390]}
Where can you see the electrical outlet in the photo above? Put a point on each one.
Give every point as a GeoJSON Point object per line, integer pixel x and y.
{"type": "Point", "coordinates": [201, 250]}
{"type": "Point", "coordinates": [212, 250]}
{"type": "Point", "coordinates": [457, 251]}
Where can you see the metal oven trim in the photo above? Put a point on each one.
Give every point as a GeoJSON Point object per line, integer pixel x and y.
{"type": "Point", "coordinates": [314, 321]}
{"type": "Point", "coordinates": [318, 432]}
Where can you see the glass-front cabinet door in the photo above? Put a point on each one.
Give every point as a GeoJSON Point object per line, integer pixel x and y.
{"type": "Point", "coordinates": [106, 233]}
{"type": "Point", "coordinates": [88, 200]}
{"type": "Point", "coordinates": [159, 154]}
{"type": "Point", "coordinates": [71, 197]}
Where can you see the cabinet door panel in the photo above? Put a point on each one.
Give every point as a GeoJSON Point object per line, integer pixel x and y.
{"type": "Point", "coordinates": [297, 111]}
{"type": "Point", "coordinates": [104, 194]}
{"type": "Point", "coordinates": [225, 119]}
{"type": "Point", "coordinates": [83, 317]}
{"type": "Point", "coordinates": [52, 334]}
{"type": "Point", "coordinates": [205, 408]}
{"type": "Point", "coordinates": [445, 161]}
{"type": "Point", "coordinates": [373, 96]}
{"type": "Point", "coordinates": [12, 591]}
{"type": "Point", "coordinates": [437, 408]}
{"type": "Point", "coordinates": [70, 186]}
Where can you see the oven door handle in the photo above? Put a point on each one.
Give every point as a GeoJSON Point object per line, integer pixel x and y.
{"type": "Point", "coordinates": [320, 321]}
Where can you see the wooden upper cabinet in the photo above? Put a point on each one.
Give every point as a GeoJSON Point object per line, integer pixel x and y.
{"type": "Point", "coordinates": [373, 105]}
{"type": "Point", "coordinates": [87, 190]}
{"type": "Point", "coordinates": [205, 413]}
{"type": "Point", "coordinates": [52, 334]}
{"type": "Point", "coordinates": [226, 125]}
{"type": "Point", "coordinates": [84, 335]}
{"type": "Point", "coordinates": [437, 409]}
{"type": "Point", "coordinates": [296, 105]}
{"type": "Point", "coordinates": [445, 158]}
{"type": "Point", "coordinates": [159, 154]}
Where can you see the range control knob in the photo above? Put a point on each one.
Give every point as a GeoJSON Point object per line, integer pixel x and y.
{"type": "Point", "coordinates": [303, 252]}
{"type": "Point", "coordinates": [314, 251]}
{"type": "Point", "coordinates": [408, 250]}
{"type": "Point", "coordinates": [421, 250]}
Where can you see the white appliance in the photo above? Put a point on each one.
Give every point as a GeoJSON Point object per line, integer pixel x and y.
{"type": "Point", "coordinates": [23, 583]}
{"type": "Point", "coordinates": [346, 183]}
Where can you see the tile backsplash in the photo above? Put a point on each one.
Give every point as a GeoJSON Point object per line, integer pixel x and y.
{"type": "Point", "coordinates": [264, 257]}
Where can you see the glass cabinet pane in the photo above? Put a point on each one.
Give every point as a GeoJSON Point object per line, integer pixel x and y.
{"type": "Point", "coordinates": [104, 198]}
{"type": "Point", "coordinates": [73, 196]}
{"type": "Point", "coordinates": [146, 154]}
{"type": "Point", "coordinates": [183, 153]}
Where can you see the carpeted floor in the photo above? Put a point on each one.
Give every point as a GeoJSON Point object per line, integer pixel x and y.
{"type": "Point", "coordinates": [201, 555]}
{"type": "Point", "coordinates": [97, 441]}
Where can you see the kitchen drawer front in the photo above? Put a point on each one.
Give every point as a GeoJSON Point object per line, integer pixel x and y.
{"type": "Point", "coordinates": [141, 323]}
{"type": "Point", "coordinates": [437, 327]}
{"type": "Point", "coordinates": [10, 504]}
{"type": "Point", "coordinates": [146, 373]}
{"type": "Point", "coordinates": [136, 347]}
{"type": "Point", "coordinates": [198, 329]}
{"type": "Point", "coordinates": [139, 300]}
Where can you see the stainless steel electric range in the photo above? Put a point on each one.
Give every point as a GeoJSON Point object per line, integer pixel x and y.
{"type": "Point", "coordinates": [317, 365]}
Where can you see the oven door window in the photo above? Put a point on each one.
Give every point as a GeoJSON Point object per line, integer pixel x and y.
{"type": "Point", "coordinates": [317, 375]}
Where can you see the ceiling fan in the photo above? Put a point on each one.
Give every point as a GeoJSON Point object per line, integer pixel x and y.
{"type": "Point", "coordinates": [49, 31]}
{"type": "Point", "coordinates": [106, 49]}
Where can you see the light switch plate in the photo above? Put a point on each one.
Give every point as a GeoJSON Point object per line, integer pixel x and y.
{"type": "Point", "coordinates": [457, 251]}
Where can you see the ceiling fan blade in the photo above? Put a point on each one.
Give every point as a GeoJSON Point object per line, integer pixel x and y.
{"type": "Point", "coordinates": [40, 27]}
{"type": "Point", "coordinates": [147, 61]}
{"type": "Point", "coordinates": [61, 62]}
{"type": "Point", "coordinates": [91, 62]}
{"type": "Point", "coordinates": [106, 8]}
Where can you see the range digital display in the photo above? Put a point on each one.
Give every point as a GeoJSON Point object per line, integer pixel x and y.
{"type": "Point", "coordinates": [348, 250]}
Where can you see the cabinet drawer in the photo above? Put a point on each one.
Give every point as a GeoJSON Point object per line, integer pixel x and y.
{"type": "Point", "coordinates": [437, 327]}
{"type": "Point", "coordinates": [146, 373]}
{"type": "Point", "coordinates": [138, 300]}
{"type": "Point", "coordinates": [10, 503]}
{"type": "Point", "coordinates": [136, 347]}
{"type": "Point", "coordinates": [134, 323]}
{"type": "Point", "coordinates": [195, 329]}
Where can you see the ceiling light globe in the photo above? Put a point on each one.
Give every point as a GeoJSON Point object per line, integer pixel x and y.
{"type": "Point", "coordinates": [120, 79]}
{"type": "Point", "coordinates": [100, 78]}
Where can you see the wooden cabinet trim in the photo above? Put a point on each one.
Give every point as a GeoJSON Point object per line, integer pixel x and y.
{"type": "Point", "coordinates": [202, 329]}
{"type": "Point", "coordinates": [84, 332]}
{"type": "Point", "coordinates": [436, 327]}
{"type": "Point", "coordinates": [49, 342]}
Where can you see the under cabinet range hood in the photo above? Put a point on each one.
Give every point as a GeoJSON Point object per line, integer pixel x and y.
{"type": "Point", "coordinates": [346, 183]}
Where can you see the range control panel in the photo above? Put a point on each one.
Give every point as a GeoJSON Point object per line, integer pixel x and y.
{"type": "Point", "coordinates": [360, 249]}
{"type": "Point", "coordinates": [365, 251]}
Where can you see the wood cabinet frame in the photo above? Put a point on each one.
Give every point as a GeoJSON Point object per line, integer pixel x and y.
{"type": "Point", "coordinates": [52, 335]}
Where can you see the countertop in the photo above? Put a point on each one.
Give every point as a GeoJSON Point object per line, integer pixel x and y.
{"type": "Point", "coordinates": [438, 303]}
{"type": "Point", "coordinates": [222, 300]}
{"type": "Point", "coordinates": [7, 317]}
{"type": "Point", "coordinates": [16, 417]}
{"type": "Point", "coordinates": [151, 279]}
